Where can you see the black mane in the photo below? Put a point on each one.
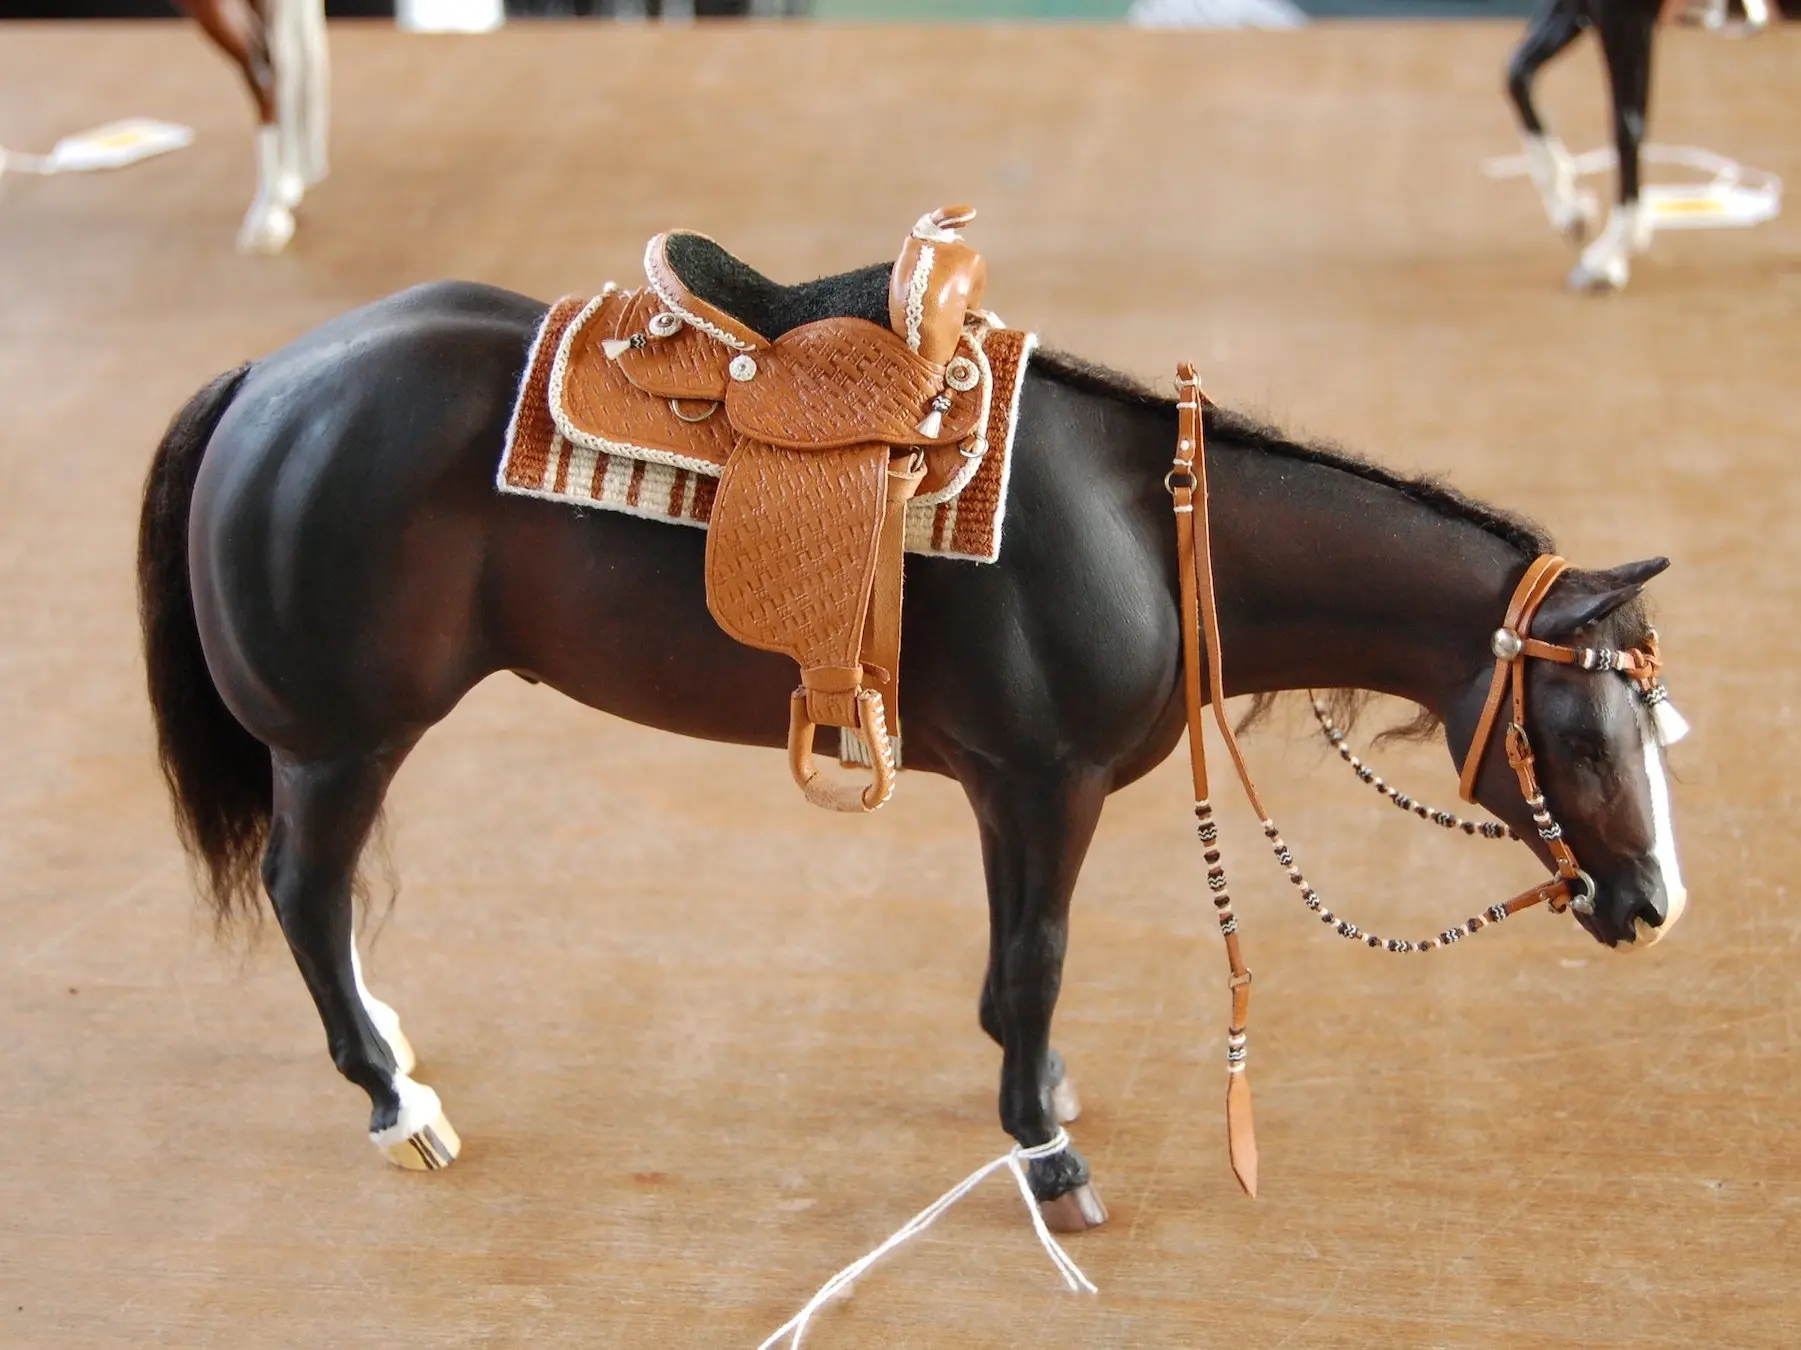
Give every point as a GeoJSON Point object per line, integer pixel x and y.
{"type": "Point", "coordinates": [1073, 372]}
{"type": "Point", "coordinates": [1527, 536]}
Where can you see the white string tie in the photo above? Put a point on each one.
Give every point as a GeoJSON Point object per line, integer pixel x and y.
{"type": "Point", "coordinates": [1014, 1161]}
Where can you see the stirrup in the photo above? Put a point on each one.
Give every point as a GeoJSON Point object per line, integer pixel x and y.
{"type": "Point", "coordinates": [842, 796]}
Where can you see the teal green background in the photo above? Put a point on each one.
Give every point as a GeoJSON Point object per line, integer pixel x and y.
{"type": "Point", "coordinates": [941, 11]}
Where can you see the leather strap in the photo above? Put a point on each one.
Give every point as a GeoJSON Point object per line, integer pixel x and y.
{"type": "Point", "coordinates": [1527, 597]}
{"type": "Point", "coordinates": [1187, 483]}
{"type": "Point", "coordinates": [880, 656]}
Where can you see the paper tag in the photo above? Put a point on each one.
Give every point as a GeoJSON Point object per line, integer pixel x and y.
{"type": "Point", "coordinates": [117, 144]}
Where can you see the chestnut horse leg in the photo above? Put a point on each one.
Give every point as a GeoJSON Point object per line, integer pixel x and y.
{"type": "Point", "coordinates": [1572, 213]}
{"type": "Point", "coordinates": [324, 810]}
{"type": "Point", "coordinates": [1035, 832]}
{"type": "Point", "coordinates": [1626, 29]}
{"type": "Point", "coordinates": [238, 28]}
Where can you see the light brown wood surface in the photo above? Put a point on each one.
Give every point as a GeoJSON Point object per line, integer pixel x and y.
{"type": "Point", "coordinates": [705, 1045]}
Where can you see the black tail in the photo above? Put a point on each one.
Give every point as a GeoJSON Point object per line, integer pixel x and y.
{"type": "Point", "coordinates": [218, 773]}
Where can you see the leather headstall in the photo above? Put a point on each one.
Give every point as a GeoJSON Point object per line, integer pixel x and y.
{"type": "Point", "coordinates": [1513, 645]}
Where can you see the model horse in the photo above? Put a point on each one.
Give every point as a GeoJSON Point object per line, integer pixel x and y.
{"type": "Point", "coordinates": [280, 46]}
{"type": "Point", "coordinates": [326, 569]}
{"type": "Point", "coordinates": [1626, 29]}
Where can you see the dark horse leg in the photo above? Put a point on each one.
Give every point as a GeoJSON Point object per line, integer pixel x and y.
{"type": "Point", "coordinates": [1035, 833]}
{"type": "Point", "coordinates": [323, 812]}
{"type": "Point", "coordinates": [1626, 29]}
{"type": "Point", "coordinates": [1556, 24]}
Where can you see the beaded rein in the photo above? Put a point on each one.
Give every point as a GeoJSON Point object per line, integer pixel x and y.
{"type": "Point", "coordinates": [1512, 646]}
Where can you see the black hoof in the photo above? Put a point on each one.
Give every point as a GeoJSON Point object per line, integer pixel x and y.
{"type": "Point", "coordinates": [1057, 1175]}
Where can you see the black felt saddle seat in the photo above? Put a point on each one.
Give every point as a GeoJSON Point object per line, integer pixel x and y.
{"type": "Point", "coordinates": [770, 308]}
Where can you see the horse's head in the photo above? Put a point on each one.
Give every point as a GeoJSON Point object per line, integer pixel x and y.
{"type": "Point", "coordinates": [1594, 742]}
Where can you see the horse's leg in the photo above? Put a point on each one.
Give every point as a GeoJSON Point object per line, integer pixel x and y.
{"type": "Point", "coordinates": [302, 74]}
{"type": "Point", "coordinates": [238, 29]}
{"type": "Point", "coordinates": [324, 811]}
{"type": "Point", "coordinates": [1571, 211]}
{"type": "Point", "coordinates": [1626, 29]}
{"type": "Point", "coordinates": [1035, 833]}
{"type": "Point", "coordinates": [1066, 1104]}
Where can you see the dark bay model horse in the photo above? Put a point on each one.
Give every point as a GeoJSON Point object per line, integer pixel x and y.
{"type": "Point", "coordinates": [279, 45]}
{"type": "Point", "coordinates": [1625, 29]}
{"type": "Point", "coordinates": [326, 568]}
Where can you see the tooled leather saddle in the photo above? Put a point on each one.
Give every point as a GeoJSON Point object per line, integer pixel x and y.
{"type": "Point", "coordinates": [826, 423]}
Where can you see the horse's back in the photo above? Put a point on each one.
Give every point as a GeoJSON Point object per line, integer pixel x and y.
{"type": "Point", "coordinates": [343, 507]}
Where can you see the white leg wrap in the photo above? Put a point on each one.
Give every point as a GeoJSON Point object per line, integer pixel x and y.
{"type": "Point", "coordinates": [302, 94]}
{"type": "Point", "coordinates": [1553, 171]}
{"type": "Point", "coordinates": [1606, 263]}
{"type": "Point", "coordinates": [268, 225]}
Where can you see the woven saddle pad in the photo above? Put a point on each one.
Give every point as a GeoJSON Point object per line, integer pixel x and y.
{"type": "Point", "coordinates": [628, 456]}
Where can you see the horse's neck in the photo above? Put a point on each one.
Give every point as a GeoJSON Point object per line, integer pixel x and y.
{"type": "Point", "coordinates": [1332, 580]}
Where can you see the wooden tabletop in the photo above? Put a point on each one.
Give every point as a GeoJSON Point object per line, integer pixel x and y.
{"type": "Point", "coordinates": [705, 1045]}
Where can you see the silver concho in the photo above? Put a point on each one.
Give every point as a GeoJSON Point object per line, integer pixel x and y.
{"type": "Point", "coordinates": [742, 368]}
{"type": "Point", "coordinates": [665, 324]}
{"type": "Point", "coordinates": [1506, 644]}
{"type": "Point", "coordinates": [962, 374]}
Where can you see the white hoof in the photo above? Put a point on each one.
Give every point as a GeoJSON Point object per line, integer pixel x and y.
{"type": "Point", "coordinates": [420, 1139]}
{"type": "Point", "coordinates": [1608, 275]}
{"type": "Point", "coordinates": [266, 229]}
{"type": "Point", "coordinates": [430, 1148]}
{"type": "Point", "coordinates": [1065, 1104]}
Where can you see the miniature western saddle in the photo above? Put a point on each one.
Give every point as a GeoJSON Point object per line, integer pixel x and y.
{"type": "Point", "coordinates": [825, 426]}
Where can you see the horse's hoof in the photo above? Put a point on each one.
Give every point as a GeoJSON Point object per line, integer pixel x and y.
{"type": "Point", "coordinates": [266, 229]}
{"type": "Point", "coordinates": [1064, 1101]}
{"type": "Point", "coordinates": [427, 1149]}
{"type": "Point", "coordinates": [1609, 276]}
{"type": "Point", "coordinates": [1074, 1211]}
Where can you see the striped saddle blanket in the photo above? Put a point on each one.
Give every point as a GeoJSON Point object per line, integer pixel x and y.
{"type": "Point", "coordinates": [555, 452]}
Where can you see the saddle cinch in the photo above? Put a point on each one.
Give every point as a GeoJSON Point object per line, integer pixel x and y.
{"type": "Point", "coordinates": [824, 431]}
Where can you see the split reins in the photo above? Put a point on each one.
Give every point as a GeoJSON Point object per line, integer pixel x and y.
{"type": "Point", "coordinates": [1512, 646]}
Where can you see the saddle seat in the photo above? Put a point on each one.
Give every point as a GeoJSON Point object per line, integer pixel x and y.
{"type": "Point", "coordinates": [840, 398]}
{"type": "Point", "coordinates": [948, 283]}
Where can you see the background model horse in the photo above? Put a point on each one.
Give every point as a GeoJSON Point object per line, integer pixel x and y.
{"type": "Point", "coordinates": [280, 46]}
{"type": "Point", "coordinates": [1625, 28]}
{"type": "Point", "coordinates": [326, 569]}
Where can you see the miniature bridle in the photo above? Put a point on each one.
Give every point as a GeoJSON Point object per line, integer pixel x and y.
{"type": "Point", "coordinates": [1513, 646]}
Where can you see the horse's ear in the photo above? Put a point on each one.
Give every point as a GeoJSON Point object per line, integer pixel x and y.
{"type": "Point", "coordinates": [1632, 573]}
{"type": "Point", "coordinates": [1588, 597]}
